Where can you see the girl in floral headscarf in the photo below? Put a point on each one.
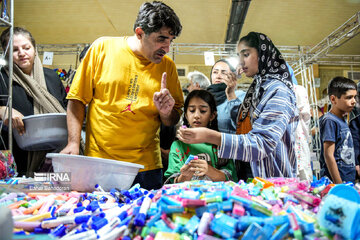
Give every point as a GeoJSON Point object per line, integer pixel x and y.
{"type": "Point", "coordinates": [267, 118]}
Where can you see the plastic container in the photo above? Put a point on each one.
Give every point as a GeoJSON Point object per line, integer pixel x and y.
{"type": "Point", "coordinates": [86, 171]}
{"type": "Point", "coordinates": [340, 212]}
{"type": "Point", "coordinates": [43, 132]}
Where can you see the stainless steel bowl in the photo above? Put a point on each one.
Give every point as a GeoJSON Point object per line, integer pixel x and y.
{"type": "Point", "coordinates": [43, 132]}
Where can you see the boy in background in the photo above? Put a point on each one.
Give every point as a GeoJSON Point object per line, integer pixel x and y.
{"type": "Point", "coordinates": [337, 157]}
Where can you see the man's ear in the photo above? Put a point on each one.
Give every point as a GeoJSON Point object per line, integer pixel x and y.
{"type": "Point", "coordinates": [139, 32]}
{"type": "Point", "coordinates": [332, 99]}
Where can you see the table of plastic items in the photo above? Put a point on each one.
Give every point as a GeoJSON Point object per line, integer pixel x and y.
{"type": "Point", "coordinates": [278, 208]}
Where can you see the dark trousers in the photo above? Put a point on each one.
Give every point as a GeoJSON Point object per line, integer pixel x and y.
{"type": "Point", "coordinates": [243, 170]}
{"type": "Point", "coordinates": [150, 179]}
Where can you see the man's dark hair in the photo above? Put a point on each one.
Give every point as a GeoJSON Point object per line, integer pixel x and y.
{"type": "Point", "coordinates": [153, 16]}
{"type": "Point", "coordinates": [5, 35]}
{"type": "Point", "coordinates": [340, 85]}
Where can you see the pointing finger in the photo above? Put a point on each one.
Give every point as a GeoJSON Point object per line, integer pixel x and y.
{"type": "Point", "coordinates": [163, 81]}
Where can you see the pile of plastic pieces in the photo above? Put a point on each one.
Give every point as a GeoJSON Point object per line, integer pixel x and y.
{"type": "Point", "coordinates": [61, 73]}
{"type": "Point", "coordinates": [278, 208]}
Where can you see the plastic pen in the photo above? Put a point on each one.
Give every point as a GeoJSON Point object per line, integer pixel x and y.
{"type": "Point", "coordinates": [34, 207]}
{"type": "Point", "coordinates": [192, 224]}
{"type": "Point", "coordinates": [191, 157]}
{"type": "Point", "coordinates": [117, 221]}
{"type": "Point", "coordinates": [59, 231]}
{"type": "Point", "coordinates": [238, 210]}
{"type": "Point", "coordinates": [27, 226]}
{"type": "Point", "coordinates": [99, 188]}
{"type": "Point", "coordinates": [134, 188]}
{"type": "Point", "coordinates": [114, 234]}
{"type": "Point", "coordinates": [90, 234]}
{"type": "Point", "coordinates": [141, 216]}
{"type": "Point", "coordinates": [193, 202]}
{"type": "Point", "coordinates": [10, 196]}
{"type": "Point", "coordinates": [67, 206]}
{"type": "Point", "coordinates": [20, 218]}
{"type": "Point", "coordinates": [117, 212]}
{"type": "Point", "coordinates": [307, 198]}
{"type": "Point", "coordinates": [204, 223]}
{"type": "Point", "coordinates": [295, 226]}
{"type": "Point", "coordinates": [171, 208]}
{"type": "Point", "coordinates": [281, 232]}
{"type": "Point", "coordinates": [167, 221]}
{"type": "Point", "coordinates": [207, 237]}
{"type": "Point", "coordinates": [74, 219]}
{"type": "Point", "coordinates": [170, 201]}
{"type": "Point", "coordinates": [48, 202]}
{"type": "Point", "coordinates": [222, 229]}
{"type": "Point", "coordinates": [154, 219]}
{"type": "Point", "coordinates": [38, 217]}
{"type": "Point", "coordinates": [16, 204]}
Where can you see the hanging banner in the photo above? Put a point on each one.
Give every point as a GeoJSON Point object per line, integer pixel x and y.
{"type": "Point", "coordinates": [48, 58]}
{"type": "Point", "coordinates": [209, 58]}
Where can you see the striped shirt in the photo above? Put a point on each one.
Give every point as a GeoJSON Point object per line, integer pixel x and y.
{"type": "Point", "coordinates": [270, 145]}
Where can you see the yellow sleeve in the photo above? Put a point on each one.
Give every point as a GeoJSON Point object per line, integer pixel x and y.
{"type": "Point", "coordinates": [84, 81]}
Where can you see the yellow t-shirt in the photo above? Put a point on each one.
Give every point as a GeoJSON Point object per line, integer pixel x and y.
{"type": "Point", "coordinates": [122, 120]}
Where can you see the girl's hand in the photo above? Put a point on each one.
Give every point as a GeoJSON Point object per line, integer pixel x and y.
{"type": "Point", "coordinates": [186, 172]}
{"type": "Point", "coordinates": [192, 135]}
{"type": "Point", "coordinates": [199, 166]}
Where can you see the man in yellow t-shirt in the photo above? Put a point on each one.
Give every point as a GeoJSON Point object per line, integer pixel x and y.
{"type": "Point", "coordinates": [131, 87]}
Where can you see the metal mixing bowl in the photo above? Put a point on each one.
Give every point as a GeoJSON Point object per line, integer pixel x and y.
{"type": "Point", "coordinates": [43, 132]}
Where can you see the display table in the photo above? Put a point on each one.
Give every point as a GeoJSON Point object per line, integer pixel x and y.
{"type": "Point", "coordinates": [277, 208]}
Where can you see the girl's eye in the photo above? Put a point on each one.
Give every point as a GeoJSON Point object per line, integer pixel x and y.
{"type": "Point", "coordinates": [192, 111]}
{"type": "Point", "coordinates": [203, 111]}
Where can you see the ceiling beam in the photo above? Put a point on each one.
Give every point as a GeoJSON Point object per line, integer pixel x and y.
{"type": "Point", "coordinates": [238, 13]}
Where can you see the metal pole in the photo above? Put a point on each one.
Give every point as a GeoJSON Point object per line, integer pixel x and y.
{"type": "Point", "coordinates": [11, 37]}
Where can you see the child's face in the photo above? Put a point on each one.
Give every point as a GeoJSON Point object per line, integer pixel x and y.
{"type": "Point", "coordinates": [249, 59]}
{"type": "Point", "coordinates": [198, 113]}
{"type": "Point", "coordinates": [346, 102]}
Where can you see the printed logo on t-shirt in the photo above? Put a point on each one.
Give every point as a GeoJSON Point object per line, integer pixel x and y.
{"type": "Point", "coordinates": [183, 155]}
{"type": "Point", "coordinates": [132, 94]}
{"type": "Point", "coordinates": [128, 109]}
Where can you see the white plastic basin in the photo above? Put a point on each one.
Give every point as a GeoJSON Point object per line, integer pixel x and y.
{"type": "Point", "coordinates": [86, 171]}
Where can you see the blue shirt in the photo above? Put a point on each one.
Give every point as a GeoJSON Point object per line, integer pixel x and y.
{"type": "Point", "coordinates": [334, 129]}
{"type": "Point", "coordinates": [227, 113]}
{"type": "Point", "coordinates": [270, 145]}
